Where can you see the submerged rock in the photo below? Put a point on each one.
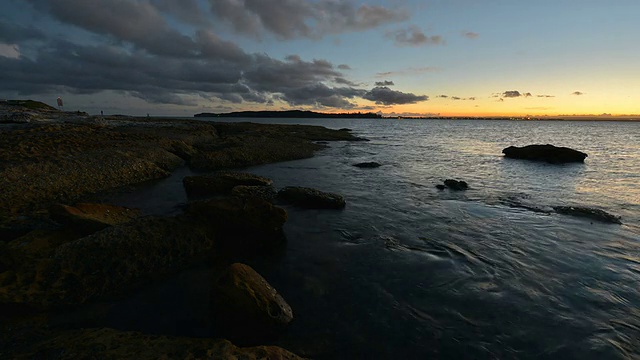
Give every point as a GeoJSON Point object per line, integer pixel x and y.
{"type": "Point", "coordinates": [311, 198]}
{"type": "Point", "coordinates": [221, 183]}
{"type": "Point", "coordinates": [440, 187]}
{"type": "Point", "coordinates": [591, 213]}
{"type": "Point", "coordinates": [89, 218]}
{"type": "Point", "coordinates": [245, 304]}
{"type": "Point", "coordinates": [457, 185]}
{"type": "Point", "coordinates": [369, 165]}
{"type": "Point", "coordinates": [549, 153]}
{"type": "Point", "coordinates": [113, 344]}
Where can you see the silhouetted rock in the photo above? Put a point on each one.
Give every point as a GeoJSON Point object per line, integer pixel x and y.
{"type": "Point", "coordinates": [549, 153]}
{"type": "Point", "coordinates": [311, 198]}
{"type": "Point", "coordinates": [345, 129]}
{"type": "Point", "coordinates": [368, 165]}
{"type": "Point", "coordinates": [221, 183]}
{"type": "Point", "coordinates": [595, 214]}
{"type": "Point", "coordinates": [440, 187]}
{"type": "Point", "coordinates": [266, 193]}
{"type": "Point", "coordinates": [89, 218]}
{"type": "Point", "coordinates": [245, 305]}
{"type": "Point", "coordinates": [456, 185]}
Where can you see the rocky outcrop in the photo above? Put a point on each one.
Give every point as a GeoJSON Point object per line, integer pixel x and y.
{"type": "Point", "coordinates": [109, 262]}
{"type": "Point", "coordinates": [456, 185]}
{"type": "Point", "coordinates": [246, 305]}
{"type": "Point", "coordinates": [590, 213]}
{"type": "Point", "coordinates": [311, 198]}
{"type": "Point", "coordinates": [113, 344]}
{"type": "Point", "coordinates": [549, 153]}
{"type": "Point", "coordinates": [266, 193]}
{"type": "Point", "coordinates": [241, 224]}
{"type": "Point", "coordinates": [221, 183]}
{"type": "Point", "coordinates": [89, 218]}
{"type": "Point", "coordinates": [368, 165]}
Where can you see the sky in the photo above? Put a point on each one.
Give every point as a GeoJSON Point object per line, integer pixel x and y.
{"type": "Point", "coordinates": [395, 57]}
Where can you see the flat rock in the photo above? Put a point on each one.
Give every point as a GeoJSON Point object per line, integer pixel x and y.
{"type": "Point", "coordinates": [89, 218]}
{"type": "Point", "coordinates": [590, 213]}
{"type": "Point", "coordinates": [221, 183]}
{"type": "Point", "coordinates": [549, 153]}
{"type": "Point", "coordinates": [371, 164]}
{"type": "Point", "coordinates": [267, 193]}
{"type": "Point", "coordinates": [246, 303]}
{"type": "Point", "coordinates": [311, 198]}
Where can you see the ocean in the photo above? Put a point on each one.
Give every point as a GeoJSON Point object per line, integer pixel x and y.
{"type": "Point", "coordinates": [410, 271]}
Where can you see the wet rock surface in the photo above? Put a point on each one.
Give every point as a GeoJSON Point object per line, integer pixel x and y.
{"type": "Point", "coordinates": [221, 183]}
{"type": "Point", "coordinates": [311, 198]}
{"type": "Point", "coordinates": [456, 185]}
{"type": "Point", "coordinates": [367, 165]}
{"type": "Point", "coordinates": [89, 218]}
{"type": "Point", "coordinates": [548, 153]}
{"type": "Point", "coordinates": [589, 213]}
{"type": "Point", "coordinates": [266, 193]}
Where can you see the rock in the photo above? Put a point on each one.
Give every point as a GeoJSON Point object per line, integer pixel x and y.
{"type": "Point", "coordinates": [110, 262]}
{"type": "Point", "coordinates": [371, 164]}
{"type": "Point", "coordinates": [311, 198]}
{"type": "Point", "coordinates": [345, 129]}
{"type": "Point", "coordinates": [548, 153]}
{"type": "Point", "coordinates": [246, 305]}
{"type": "Point", "coordinates": [440, 187]}
{"type": "Point", "coordinates": [266, 193]}
{"type": "Point", "coordinates": [113, 344]}
{"type": "Point", "coordinates": [241, 224]}
{"type": "Point", "coordinates": [89, 218]}
{"type": "Point", "coordinates": [41, 243]}
{"type": "Point", "coordinates": [456, 185]}
{"type": "Point", "coordinates": [221, 183]}
{"type": "Point", "coordinates": [595, 214]}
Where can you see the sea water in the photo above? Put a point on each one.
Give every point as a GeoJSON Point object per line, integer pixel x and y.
{"type": "Point", "coordinates": [410, 271]}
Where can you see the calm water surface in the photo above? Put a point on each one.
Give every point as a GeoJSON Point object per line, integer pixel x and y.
{"type": "Point", "coordinates": [407, 271]}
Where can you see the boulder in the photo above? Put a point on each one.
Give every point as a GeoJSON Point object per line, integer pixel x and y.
{"type": "Point", "coordinates": [549, 153]}
{"type": "Point", "coordinates": [368, 165]}
{"type": "Point", "coordinates": [113, 344]}
{"type": "Point", "coordinates": [245, 304]}
{"type": "Point", "coordinates": [266, 193]}
{"type": "Point", "coordinates": [89, 218]}
{"type": "Point", "coordinates": [440, 187]}
{"type": "Point", "coordinates": [241, 224]}
{"type": "Point", "coordinates": [311, 198]}
{"type": "Point", "coordinates": [590, 213]}
{"type": "Point", "coordinates": [456, 185]}
{"type": "Point", "coordinates": [221, 183]}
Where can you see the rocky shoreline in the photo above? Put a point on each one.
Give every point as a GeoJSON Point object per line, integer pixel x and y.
{"type": "Point", "coordinates": [58, 254]}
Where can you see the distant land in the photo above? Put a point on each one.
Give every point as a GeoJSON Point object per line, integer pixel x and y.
{"type": "Point", "coordinates": [293, 114]}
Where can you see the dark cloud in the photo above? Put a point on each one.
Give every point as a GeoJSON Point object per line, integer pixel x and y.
{"type": "Point", "coordinates": [470, 35]}
{"type": "Point", "coordinates": [12, 33]}
{"type": "Point", "coordinates": [384, 83]}
{"type": "Point", "coordinates": [384, 96]}
{"type": "Point", "coordinates": [577, 93]}
{"type": "Point", "coordinates": [187, 11]}
{"type": "Point", "coordinates": [443, 96]}
{"type": "Point", "coordinates": [344, 67]}
{"type": "Point", "coordinates": [455, 97]}
{"type": "Point", "coordinates": [511, 94]}
{"type": "Point", "coordinates": [545, 96]}
{"type": "Point", "coordinates": [289, 19]}
{"type": "Point", "coordinates": [413, 36]}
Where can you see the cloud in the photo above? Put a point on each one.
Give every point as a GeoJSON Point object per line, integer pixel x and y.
{"type": "Point", "coordinates": [288, 19]}
{"type": "Point", "coordinates": [9, 51]}
{"type": "Point", "coordinates": [384, 96]}
{"type": "Point", "coordinates": [443, 96]}
{"type": "Point", "coordinates": [413, 36]}
{"type": "Point", "coordinates": [511, 94]}
{"type": "Point", "coordinates": [384, 83]}
{"type": "Point", "coordinates": [545, 96]}
{"type": "Point", "coordinates": [409, 71]}
{"type": "Point", "coordinates": [187, 11]}
{"type": "Point", "coordinates": [344, 67]}
{"type": "Point", "coordinates": [456, 97]}
{"type": "Point", "coordinates": [577, 93]}
{"type": "Point", "coordinates": [470, 35]}
{"type": "Point", "coordinates": [12, 33]}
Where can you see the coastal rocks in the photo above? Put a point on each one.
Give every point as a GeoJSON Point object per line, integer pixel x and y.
{"type": "Point", "coordinates": [113, 344]}
{"type": "Point", "coordinates": [311, 198]}
{"type": "Point", "coordinates": [89, 218]}
{"type": "Point", "coordinates": [245, 304]}
{"type": "Point", "coordinates": [548, 153]}
{"type": "Point", "coordinates": [242, 225]}
{"type": "Point", "coordinates": [455, 185]}
{"type": "Point", "coordinates": [368, 165]}
{"type": "Point", "coordinates": [266, 193]}
{"type": "Point", "coordinates": [590, 213]}
{"type": "Point", "coordinates": [221, 183]}
{"type": "Point", "coordinates": [110, 262]}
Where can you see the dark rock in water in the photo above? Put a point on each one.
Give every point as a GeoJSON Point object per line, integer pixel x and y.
{"type": "Point", "coordinates": [549, 153]}
{"type": "Point", "coordinates": [245, 305]}
{"type": "Point", "coordinates": [266, 193]}
{"type": "Point", "coordinates": [242, 225]}
{"type": "Point", "coordinates": [456, 185]}
{"type": "Point", "coordinates": [371, 164]}
{"type": "Point", "coordinates": [221, 183]}
{"type": "Point", "coordinates": [440, 187]}
{"type": "Point", "coordinates": [88, 218]}
{"type": "Point", "coordinates": [595, 214]}
{"type": "Point", "coordinates": [311, 198]}
{"type": "Point", "coordinates": [345, 129]}
{"type": "Point", "coordinates": [107, 343]}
